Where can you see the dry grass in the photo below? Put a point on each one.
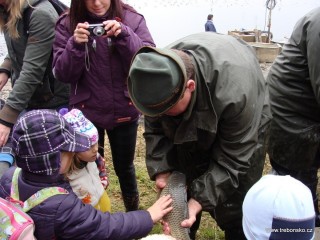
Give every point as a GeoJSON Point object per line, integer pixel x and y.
{"type": "Point", "coordinates": [208, 228]}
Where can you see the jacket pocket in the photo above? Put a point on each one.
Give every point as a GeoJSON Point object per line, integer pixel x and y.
{"type": "Point", "coordinates": [79, 100]}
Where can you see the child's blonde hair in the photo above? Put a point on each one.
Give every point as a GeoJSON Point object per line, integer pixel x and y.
{"type": "Point", "coordinates": [75, 164]}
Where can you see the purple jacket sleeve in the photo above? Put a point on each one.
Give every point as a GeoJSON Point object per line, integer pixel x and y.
{"type": "Point", "coordinates": [68, 56]}
{"type": "Point", "coordinates": [81, 221]}
{"type": "Point", "coordinates": [134, 35]}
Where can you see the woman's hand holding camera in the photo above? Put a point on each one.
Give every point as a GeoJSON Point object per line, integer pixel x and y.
{"type": "Point", "coordinates": [81, 33]}
{"type": "Point", "coordinates": [112, 27]}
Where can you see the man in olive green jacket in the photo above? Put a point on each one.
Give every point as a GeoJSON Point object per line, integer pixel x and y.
{"type": "Point", "coordinates": [206, 114]}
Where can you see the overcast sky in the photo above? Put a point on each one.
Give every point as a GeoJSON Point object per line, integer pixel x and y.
{"type": "Point", "coordinates": [168, 20]}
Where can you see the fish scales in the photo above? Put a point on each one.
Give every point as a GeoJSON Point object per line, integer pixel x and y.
{"type": "Point", "coordinates": [176, 187]}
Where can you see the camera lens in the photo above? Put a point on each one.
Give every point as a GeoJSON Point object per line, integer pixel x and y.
{"type": "Point", "coordinates": [98, 31]}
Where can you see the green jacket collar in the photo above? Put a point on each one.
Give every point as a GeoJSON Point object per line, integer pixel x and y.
{"type": "Point", "coordinates": [198, 114]}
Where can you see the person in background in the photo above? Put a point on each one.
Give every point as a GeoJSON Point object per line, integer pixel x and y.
{"type": "Point", "coordinates": [294, 81]}
{"type": "Point", "coordinates": [204, 98]}
{"type": "Point", "coordinates": [28, 63]}
{"type": "Point", "coordinates": [97, 68]}
{"type": "Point", "coordinates": [45, 144]}
{"type": "Point", "coordinates": [209, 26]}
{"type": "Point", "coordinates": [278, 207]}
{"type": "Point", "coordinates": [83, 173]}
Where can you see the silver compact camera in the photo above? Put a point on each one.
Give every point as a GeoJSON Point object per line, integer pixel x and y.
{"type": "Point", "coordinates": [96, 29]}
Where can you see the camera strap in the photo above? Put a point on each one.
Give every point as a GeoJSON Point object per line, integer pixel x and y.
{"type": "Point", "coordinates": [86, 54]}
{"type": "Point", "coordinates": [87, 57]}
{"type": "Point", "coordinates": [94, 44]}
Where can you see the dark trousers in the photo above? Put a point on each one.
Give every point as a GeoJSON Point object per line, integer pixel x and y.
{"type": "Point", "coordinates": [122, 141]}
{"type": "Point", "coordinates": [307, 177]}
{"type": "Point", "coordinates": [296, 153]}
{"type": "Point", "coordinates": [232, 231]}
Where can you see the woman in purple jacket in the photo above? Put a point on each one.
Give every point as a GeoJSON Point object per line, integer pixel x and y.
{"type": "Point", "coordinates": [95, 60]}
{"type": "Point", "coordinates": [45, 143]}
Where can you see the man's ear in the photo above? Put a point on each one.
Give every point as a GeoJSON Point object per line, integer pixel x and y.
{"type": "Point", "coordinates": [191, 85]}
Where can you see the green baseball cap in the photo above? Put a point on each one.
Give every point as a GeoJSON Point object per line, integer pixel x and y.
{"type": "Point", "coordinates": [157, 79]}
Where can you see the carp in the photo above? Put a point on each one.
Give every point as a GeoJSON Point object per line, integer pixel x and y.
{"type": "Point", "coordinates": [176, 187]}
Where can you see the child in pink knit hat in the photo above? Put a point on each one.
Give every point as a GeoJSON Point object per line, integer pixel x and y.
{"type": "Point", "coordinates": [85, 179]}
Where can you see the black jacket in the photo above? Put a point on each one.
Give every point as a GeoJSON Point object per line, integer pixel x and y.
{"type": "Point", "coordinates": [294, 81]}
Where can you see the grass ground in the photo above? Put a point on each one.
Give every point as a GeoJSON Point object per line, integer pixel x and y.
{"type": "Point", "coordinates": [208, 228]}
